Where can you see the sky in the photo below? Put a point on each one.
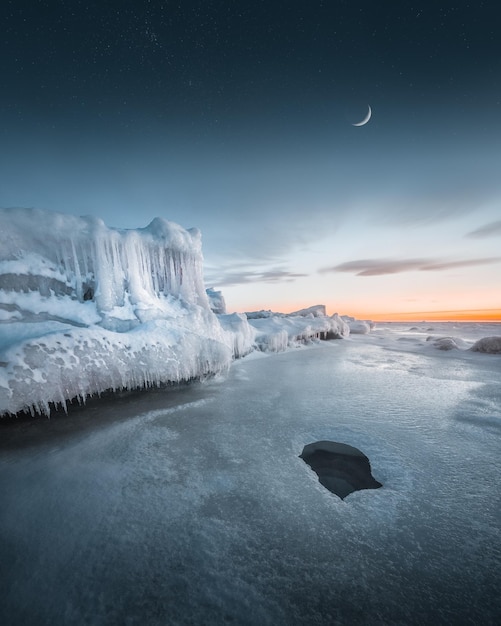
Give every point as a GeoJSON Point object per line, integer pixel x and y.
{"type": "Point", "coordinates": [238, 118]}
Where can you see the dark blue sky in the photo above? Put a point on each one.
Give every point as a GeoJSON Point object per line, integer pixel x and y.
{"type": "Point", "coordinates": [236, 117]}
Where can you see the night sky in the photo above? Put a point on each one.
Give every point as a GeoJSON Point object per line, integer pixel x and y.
{"type": "Point", "coordinates": [237, 117]}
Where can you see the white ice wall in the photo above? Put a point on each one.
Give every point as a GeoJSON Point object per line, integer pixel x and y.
{"type": "Point", "coordinates": [81, 257]}
{"type": "Point", "coordinates": [85, 308]}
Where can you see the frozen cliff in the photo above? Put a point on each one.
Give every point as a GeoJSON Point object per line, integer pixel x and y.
{"type": "Point", "coordinates": [85, 308]}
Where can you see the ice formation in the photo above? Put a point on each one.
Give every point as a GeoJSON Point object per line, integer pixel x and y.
{"type": "Point", "coordinates": [277, 333]}
{"type": "Point", "coordinates": [85, 308]}
{"type": "Point", "coordinates": [358, 327]}
{"type": "Point", "coordinates": [490, 345]}
{"type": "Point", "coordinates": [216, 301]}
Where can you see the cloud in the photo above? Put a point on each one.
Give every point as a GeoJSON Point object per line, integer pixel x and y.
{"type": "Point", "coordinates": [493, 229]}
{"type": "Point", "coordinates": [448, 265]}
{"type": "Point", "coordinates": [225, 278]}
{"type": "Point", "coordinates": [376, 267]}
{"type": "Point", "coordinates": [380, 267]}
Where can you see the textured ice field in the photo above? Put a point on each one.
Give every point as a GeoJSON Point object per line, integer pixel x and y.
{"type": "Point", "coordinates": [191, 506]}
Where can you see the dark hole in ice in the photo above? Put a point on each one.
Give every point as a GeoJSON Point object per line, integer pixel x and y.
{"type": "Point", "coordinates": [341, 468]}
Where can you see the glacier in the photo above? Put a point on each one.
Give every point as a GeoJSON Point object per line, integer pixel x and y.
{"type": "Point", "coordinates": [85, 308]}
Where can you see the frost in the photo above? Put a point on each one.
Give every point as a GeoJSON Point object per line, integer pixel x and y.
{"type": "Point", "coordinates": [85, 308]}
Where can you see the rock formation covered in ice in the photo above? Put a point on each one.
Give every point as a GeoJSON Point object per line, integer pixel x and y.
{"type": "Point", "coordinates": [489, 345]}
{"type": "Point", "coordinates": [82, 259]}
{"type": "Point", "coordinates": [358, 327]}
{"type": "Point", "coordinates": [85, 308]}
{"type": "Point", "coordinates": [277, 332]}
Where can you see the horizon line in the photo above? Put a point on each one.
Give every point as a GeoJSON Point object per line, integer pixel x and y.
{"type": "Point", "coordinates": [459, 315]}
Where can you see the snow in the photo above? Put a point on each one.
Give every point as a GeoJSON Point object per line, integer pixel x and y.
{"type": "Point", "coordinates": [85, 309]}
{"type": "Point", "coordinates": [277, 333]}
{"type": "Point", "coordinates": [317, 310]}
{"type": "Point", "coordinates": [239, 333]}
{"type": "Point", "coordinates": [358, 327]}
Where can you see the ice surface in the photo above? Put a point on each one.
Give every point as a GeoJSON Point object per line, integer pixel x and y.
{"type": "Point", "coordinates": [191, 505]}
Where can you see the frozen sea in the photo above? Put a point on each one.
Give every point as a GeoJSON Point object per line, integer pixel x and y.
{"type": "Point", "coordinates": [190, 505]}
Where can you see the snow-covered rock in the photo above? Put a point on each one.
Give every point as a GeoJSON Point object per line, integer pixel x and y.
{"type": "Point", "coordinates": [240, 335]}
{"type": "Point", "coordinates": [86, 308]}
{"type": "Point", "coordinates": [277, 333]}
{"type": "Point", "coordinates": [358, 327]}
{"type": "Point", "coordinates": [448, 343]}
{"type": "Point", "coordinates": [490, 345]}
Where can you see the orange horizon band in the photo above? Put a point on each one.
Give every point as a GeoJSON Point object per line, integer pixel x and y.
{"type": "Point", "coordinates": [474, 315]}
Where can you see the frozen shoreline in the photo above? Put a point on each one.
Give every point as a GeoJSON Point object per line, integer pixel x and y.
{"type": "Point", "coordinates": [87, 309]}
{"type": "Point", "coordinates": [192, 505]}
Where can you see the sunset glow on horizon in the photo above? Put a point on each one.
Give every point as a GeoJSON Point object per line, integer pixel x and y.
{"type": "Point", "coordinates": [465, 315]}
{"type": "Point", "coordinates": [435, 316]}
{"type": "Point", "coordinates": [248, 132]}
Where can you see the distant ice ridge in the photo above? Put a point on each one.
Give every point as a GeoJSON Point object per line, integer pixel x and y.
{"type": "Point", "coordinates": [85, 308]}
{"type": "Point", "coordinates": [275, 332]}
{"type": "Point", "coordinates": [473, 336]}
{"type": "Point", "coordinates": [358, 327]}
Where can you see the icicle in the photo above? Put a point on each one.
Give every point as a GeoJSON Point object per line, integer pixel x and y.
{"type": "Point", "coordinates": [78, 275]}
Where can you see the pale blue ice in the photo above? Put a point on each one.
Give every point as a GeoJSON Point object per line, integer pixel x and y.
{"type": "Point", "coordinates": [191, 506]}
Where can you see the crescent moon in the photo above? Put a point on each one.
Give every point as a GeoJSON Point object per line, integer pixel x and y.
{"type": "Point", "coordinates": [366, 118]}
